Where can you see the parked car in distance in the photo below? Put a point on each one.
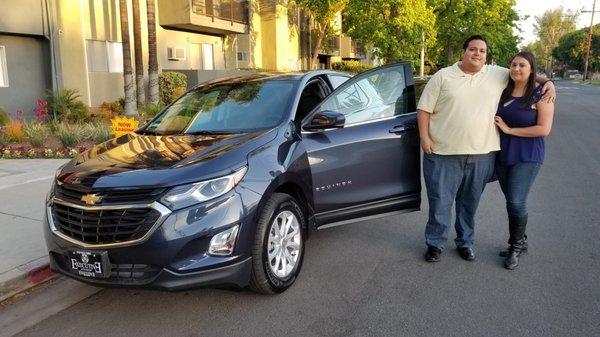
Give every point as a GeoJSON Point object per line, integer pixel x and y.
{"type": "Point", "coordinates": [224, 186]}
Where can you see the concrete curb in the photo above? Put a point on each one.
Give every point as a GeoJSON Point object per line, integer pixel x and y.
{"type": "Point", "coordinates": [24, 277]}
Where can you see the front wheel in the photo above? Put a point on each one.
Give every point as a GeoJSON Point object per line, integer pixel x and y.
{"type": "Point", "coordinates": [278, 247]}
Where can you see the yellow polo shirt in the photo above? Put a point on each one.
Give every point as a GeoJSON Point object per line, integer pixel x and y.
{"type": "Point", "coordinates": [462, 109]}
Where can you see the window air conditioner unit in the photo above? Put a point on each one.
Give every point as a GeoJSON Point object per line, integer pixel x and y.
{"type": "Point", "coordinates": [176, 53]}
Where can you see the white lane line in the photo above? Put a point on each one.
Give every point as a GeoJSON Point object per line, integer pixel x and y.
{"type": "Point", "coordinates": [26, 182]}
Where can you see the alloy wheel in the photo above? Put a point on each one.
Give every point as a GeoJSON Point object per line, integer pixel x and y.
{"type": "Point", "coordinates": [284, 244]}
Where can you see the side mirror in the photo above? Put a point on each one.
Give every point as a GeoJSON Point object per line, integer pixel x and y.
{"type": "Point", "coordinates": [325, 120]}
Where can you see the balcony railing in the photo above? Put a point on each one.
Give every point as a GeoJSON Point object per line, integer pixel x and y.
{"type": "Point", "coordinates": [358, 49]}
{"type": "Point", "coordinates": [230, 10]}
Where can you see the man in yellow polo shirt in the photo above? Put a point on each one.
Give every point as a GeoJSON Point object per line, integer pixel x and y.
{"type": "Point", "coordinates": [459, 140]}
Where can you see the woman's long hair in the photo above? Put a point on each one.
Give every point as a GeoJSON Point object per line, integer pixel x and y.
{"type": "Point", "coordinates": [530, 87]}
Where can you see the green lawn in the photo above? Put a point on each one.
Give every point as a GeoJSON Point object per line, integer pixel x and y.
{"type": "Point", "coordinates": [594, 82]}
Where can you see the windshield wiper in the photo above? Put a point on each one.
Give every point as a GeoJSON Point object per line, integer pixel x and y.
{"type": "Point", "coordinates": [147, 132]}
{"type": "Point", "coordinates": [215, 132]}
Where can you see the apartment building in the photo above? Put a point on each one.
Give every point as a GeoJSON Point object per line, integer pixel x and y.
{"type": "Point", "coordinates": [76, 44]}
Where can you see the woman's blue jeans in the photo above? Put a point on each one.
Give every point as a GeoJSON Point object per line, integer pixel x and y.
{"type": "Point", "coordinates": [459, 180]}
{"type": "Point", "coordinates": [516, 181]}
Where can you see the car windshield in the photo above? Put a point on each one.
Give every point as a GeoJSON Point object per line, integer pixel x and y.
{"type": "Point", "coordinates": [225, 108]}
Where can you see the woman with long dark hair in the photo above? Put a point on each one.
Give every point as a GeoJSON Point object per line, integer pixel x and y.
{"type": "Point", "coordinates": [524, 120]}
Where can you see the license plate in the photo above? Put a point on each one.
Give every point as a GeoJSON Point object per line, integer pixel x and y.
{"type": "Point", "coordinates": [88, 263]}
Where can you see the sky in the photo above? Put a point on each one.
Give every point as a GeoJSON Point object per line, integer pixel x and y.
{"type": "Point", "coordinates": [538, 7]}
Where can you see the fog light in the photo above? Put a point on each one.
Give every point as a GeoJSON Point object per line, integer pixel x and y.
{"type": "Point", "coordinates": [224, 242]}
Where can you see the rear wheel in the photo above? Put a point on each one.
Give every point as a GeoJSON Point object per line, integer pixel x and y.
{"type": "Point", "coordinates": [278, 248]}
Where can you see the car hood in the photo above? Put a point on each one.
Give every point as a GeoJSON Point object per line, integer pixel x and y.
{"type": "Point", "coordinates": [136, 160]}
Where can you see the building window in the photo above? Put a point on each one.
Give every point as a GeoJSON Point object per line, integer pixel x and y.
{"type": "Point", "coordinates": [104, 56]}
{"type": "Point", "coordinates": [3, 71]}
{"type": "Point", "coordinates": [242, 56]}
{"type": "Point", "coordinates": [208, 62]}
{"type": "Point", "coordinates": [115, 57]}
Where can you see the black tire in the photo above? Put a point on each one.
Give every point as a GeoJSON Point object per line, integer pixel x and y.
{"type": "Point", "coordinates": [263, 280]}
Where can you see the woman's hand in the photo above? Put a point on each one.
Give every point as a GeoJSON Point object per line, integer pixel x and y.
{"type": "Point", "coordinates": [501, 125]}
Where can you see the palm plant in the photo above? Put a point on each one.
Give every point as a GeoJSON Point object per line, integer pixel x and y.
{"type": "Point", "coordinates": [127, 70]}
{"type": "Point", "coordinates": [152, 56]}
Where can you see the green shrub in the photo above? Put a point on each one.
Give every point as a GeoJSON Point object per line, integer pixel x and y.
{"type": "Point", "coordinates": [97, 132]}
{"type": "Point", "coordinates": [353, 67]}
{"type": "Point", "coordinates": [4, 119]}
{"type": "Point", "coordinates": [66, 105]}
{"type": "Point", "coordinates": [69, 135]}
{"type": "Point", "coordinates": [168, 84]}
{"type": "Point", "coordinates": [150, 110]}
{"type": "Point", "coordinates": [36, 133]}
{"type": "Point", "coordinates": [3, 140]}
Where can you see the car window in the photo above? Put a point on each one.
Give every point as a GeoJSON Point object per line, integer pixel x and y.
{"type": "Point", "coordinates": [378, 95]}
{"type": "Point", "coordinates": [311, 96]}
{"type": "Point", "coordinates": [237, 107]}
{"type": "Point", "coordinates": [337, 80]}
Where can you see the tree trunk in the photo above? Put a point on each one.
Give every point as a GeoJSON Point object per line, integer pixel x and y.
{"type": "Point", "coordinates": [152, 56]}
{"type": "Point", "coordinates": [130, 108]}
{"type": "Point", "coordinates": [315, 53]}
{"type": "Point", "coordinates": [139, 61]}
{"type": "Point", "coordinates": [450, 54]}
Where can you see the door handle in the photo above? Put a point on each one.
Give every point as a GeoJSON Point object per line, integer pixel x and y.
{"type": "Point", "coordinates": [402, 128]}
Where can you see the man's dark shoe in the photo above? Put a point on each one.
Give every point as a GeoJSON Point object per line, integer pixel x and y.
{"type": "Point", "coordinates": [433, 254]}
{"type": "Point", "coordinates": [466, 253]}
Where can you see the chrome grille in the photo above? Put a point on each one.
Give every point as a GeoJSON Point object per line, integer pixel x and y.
{"type": "Point", "coordinates": [113, 196]}
{"type": "Point", "coordinates": [103, 226]}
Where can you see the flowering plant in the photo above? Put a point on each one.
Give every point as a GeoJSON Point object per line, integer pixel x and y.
{"type": "Point", "coordinates": [41, 110]}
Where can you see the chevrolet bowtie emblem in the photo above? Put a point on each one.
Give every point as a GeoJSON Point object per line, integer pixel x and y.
{"type": "Point", "coordinates": [91, 199]}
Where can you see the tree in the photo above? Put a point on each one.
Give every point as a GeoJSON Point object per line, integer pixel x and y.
{"type": "Point", "coordinates": [139, 61]}
{"type": "Point", "coordinates": [549, 28]}
{"type": "Point", "coordinates": [393, 27]}
{"type": "Point", "coordinates": [572, 47]}
{"type": "Point", "coordinates": [129, 87]}
{"type": "Point", "coordinates": [322, 13]}
{"type": "Point", "coordinates": [152, 56]}
{"type": "Point", "coordinates": [459, 19]}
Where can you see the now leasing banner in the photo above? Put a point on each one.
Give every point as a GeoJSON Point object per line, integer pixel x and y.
{"type": "Point", "coordinates": [123, 125]}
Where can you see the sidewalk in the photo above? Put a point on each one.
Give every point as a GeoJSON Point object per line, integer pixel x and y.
{"type": "Point", "coordinates": [23, 187]}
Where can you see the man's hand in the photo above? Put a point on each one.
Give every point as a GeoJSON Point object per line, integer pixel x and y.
{"type": "Point", "coordinates": [548, 92]}
{"type": "Point", "coordinates": [427, 145]}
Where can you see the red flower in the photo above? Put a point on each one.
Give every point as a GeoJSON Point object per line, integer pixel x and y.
{"type": "Point", "coordinates": [41, 110]}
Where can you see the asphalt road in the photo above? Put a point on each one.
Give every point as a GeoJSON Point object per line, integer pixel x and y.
{"type": "Point", "coordinates": [369, 278]}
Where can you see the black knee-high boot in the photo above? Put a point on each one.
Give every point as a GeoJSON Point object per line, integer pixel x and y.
{"type": "Point", "coordinates": [516, 228]}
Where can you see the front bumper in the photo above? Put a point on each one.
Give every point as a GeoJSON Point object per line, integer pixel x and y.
{"type": "Point", "coordinates": [174, 255]}
{"type": "Point", "coordinates": [236, 274]}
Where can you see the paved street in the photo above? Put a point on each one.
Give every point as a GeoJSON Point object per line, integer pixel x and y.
{"type": "Point", "coordinates": [369, 278]}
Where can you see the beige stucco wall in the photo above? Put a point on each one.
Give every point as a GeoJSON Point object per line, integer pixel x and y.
{"type": "Point", "coordinates": [23, 17]}
{"type": "Point", "coordinates": [72, 47]}
{"type": "Point", "coordinates": [81, 20]}
{"type": "Point", "coordinates": [271, 44]}
{"type": "Point", "coordinates": [280, 44]}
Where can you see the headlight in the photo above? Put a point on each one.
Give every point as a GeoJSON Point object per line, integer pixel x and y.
{"type": "Point", "coordinates": [191, 194]}
{"type": "Point", "coordinates": [53, 184]}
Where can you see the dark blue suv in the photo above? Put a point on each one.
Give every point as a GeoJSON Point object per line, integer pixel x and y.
{"type": "Point", "coordinates": [224, 185]}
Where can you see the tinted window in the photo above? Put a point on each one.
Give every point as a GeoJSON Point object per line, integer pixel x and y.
{"type": "Point", "coordinates": [236, 107]}
{"type": "Point", "coordinates": [378, 95]}
{"type": "Point", "coordinates": [337, 80]}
